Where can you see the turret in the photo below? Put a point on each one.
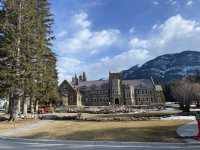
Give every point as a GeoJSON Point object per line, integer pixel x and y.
{"type": "Point", "coordinates": [76, 79]}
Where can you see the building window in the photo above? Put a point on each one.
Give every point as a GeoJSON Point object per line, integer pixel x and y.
{"type": "Point", "coordinates": [142, 91]}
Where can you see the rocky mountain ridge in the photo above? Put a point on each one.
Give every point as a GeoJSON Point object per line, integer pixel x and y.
{"type": "Point", "coordinates": [166, 67]}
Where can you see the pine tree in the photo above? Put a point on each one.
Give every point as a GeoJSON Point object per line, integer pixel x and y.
{"type": "Point", "coordinates": [3, 53]}
{"type": "Point", "coordinates": [27, 62]}
{"type": "Point", "coordinates": [47, 65]}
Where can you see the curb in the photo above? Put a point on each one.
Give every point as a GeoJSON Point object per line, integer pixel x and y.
{"type": "Point", "coordinates": [90, 142]}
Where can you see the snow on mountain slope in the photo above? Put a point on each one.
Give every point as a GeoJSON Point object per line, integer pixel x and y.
{"type": "Point", "coordinates": [166, 67]}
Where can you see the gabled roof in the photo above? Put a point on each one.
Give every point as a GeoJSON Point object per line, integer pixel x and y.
{"type": "Point", "coordinates": [65, 84]}
{"type": "Point", "coordinates": [139, 83]}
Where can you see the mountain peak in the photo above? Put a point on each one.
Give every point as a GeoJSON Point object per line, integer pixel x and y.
{"type": "Point", "coordinates": [167, 67]}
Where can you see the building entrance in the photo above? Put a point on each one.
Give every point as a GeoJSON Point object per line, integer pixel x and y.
{"type": "Point", "coordinates": [117, 101]}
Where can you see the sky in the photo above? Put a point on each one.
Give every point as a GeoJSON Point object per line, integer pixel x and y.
{"type": "Point", "coordinates": [102, 36]}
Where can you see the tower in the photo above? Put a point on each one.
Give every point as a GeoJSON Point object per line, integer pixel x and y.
{"type": "Point", "coordinates": [73, 80]}
{"type": "Point", "coordinates": [115, 88]}
{"type": "Point", "coordinates": [84, 77]}
{"type": "Point", "coordinates": [76, 79]}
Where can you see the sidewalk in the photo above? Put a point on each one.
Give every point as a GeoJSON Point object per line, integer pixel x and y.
{"type": "Point", "coordinates": [188, 131]}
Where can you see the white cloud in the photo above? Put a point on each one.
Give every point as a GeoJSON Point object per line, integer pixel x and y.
{"type": "Point", "coordinates": [67, 67]}
{"type": "Point", "coordinates": [132, 30]}
{"type": "Point", "coordinates": [156, 3]}
{"type": "Point", "coordinates": [174, 35]}
{"type": "Point", "coordinates": [117, 63]}
{"type": "Point", "coordinates": [173, 2]}
{"type": "Point", "coordinates": [155, 26]}
{"type": "Point", "coordinates": [84, 39]}
{"type": "Point", "coordinates": [61, 34]}
{"type": "Point", "coordinates": [189, 3]}
{"type": "Point", "coordinates": [137, 43]}
{"type": "Point", "coordinates": [81, 20]}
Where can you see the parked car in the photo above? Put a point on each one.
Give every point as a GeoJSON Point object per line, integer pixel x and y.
{"type": "Point", "coordinates": [43, 110]}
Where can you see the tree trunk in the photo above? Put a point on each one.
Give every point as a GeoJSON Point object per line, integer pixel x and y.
{"type": "Point", "coordinates": [18, 105]}
{"type": "Point", "coordinates": [32, 104]}
{"type": "Point", "coordinates": [25, 106]}
{"type": "Point", "coordinates": [198, 104]}
{"type": "Point", "coordinates": [9, 104]}
{"type": "Point", "coordinates": [36, 106]}
{"type": "Point", "coordinates": [15, 100]}
{"type": "Point", "coordinates": [13, 108]}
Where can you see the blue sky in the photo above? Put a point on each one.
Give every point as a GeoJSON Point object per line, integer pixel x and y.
{"type": "Point", "coordinates": [98, 36]}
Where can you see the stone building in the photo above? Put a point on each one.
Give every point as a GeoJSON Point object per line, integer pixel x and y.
{"type": "Point", "coordinates": [113, 91]}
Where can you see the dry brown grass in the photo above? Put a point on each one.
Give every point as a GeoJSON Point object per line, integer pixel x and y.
{"type": "Point", "coordinates": [5, 125]}
{"type": "Point", "coordinates": [151, 131]}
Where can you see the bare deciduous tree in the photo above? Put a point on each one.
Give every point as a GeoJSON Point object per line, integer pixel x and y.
{"type": "Point", "coordinates": [183, 92]}
{"type": "Point", "coordinates": [196, 94]}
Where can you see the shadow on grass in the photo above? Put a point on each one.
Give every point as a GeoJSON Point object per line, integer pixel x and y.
{"type": "Point", "coordinates": [147, 134]}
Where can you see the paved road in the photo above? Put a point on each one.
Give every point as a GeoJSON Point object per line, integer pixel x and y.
{"type": "Point", "coordinates": [23, 144]}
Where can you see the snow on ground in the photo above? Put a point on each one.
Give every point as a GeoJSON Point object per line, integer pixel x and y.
{"type": "Point", "coordinates": [179, 118]}
{"type": "Point", "coordinates": [192, 109]}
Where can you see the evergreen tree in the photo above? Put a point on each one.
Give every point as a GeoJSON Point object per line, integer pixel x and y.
{"type": "Point", "coordinates": [3, 53]}
{"type": "Point", "coordinates": [47, 59]}
{"type": "Point", "coordinates": [27, 62]}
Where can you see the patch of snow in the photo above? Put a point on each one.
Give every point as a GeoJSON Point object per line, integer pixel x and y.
{"type": "Point", "coordinates": [188, 130]}
{"type": "Point", "coordinates": [179, 118]}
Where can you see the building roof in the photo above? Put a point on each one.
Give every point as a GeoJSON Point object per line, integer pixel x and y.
{"type": "Point", "coordinates": [92, 83]}
{"type": "Point", "coordinates": [139, 83]}
{"type": "Point", "coordinates": [65, 87]}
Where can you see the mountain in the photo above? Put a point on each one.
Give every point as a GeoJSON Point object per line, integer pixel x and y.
{"type": "Point", "coordinates": [166, 67]}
